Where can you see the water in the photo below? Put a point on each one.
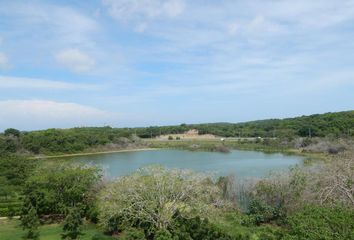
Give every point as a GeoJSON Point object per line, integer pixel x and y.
{"type": "Point", "coordinates": [244, 164]}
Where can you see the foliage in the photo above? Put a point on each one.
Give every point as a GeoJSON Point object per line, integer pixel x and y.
{"type": "Point", "coordinates": [30, 222]}
{"type": "Point", "coordinates": [53, 188]}
{"type": "Point", "coordinates": [335, 124]}
{"type": "Point", "coordinates": [12, 131]}
{"type": "Point", "coordinates": [14, 170]}
{"type": "Point", "coordinates": [263, 213]}
{"type": "Point", "coordinates": [197, 228]}
{"type": "Point", "coordinates": [322, 223]}
{"type": "Point", "coordinates": [133, 234]}
{"type": "Point", "coordinates": [150, 197]}
{"type": "Point", "coordinates": [56, 141]}
{"type": "Point", "coordinates": [275, 197]}
{"type": "Point", "coordinates": [72, 224]}
{"type": "Point", "coordinates": [72, 140]}
{"type": "Point", "coordinates": [333, 183]}
{"type": "Point", "coordinates": [163, 235]}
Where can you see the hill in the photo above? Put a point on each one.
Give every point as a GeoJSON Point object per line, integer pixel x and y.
{"type": "Point", "coordinates": [338, 124]}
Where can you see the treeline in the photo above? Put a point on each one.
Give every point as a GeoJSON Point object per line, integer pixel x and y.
{"type": "Point", "coordinates": [62, 140]}
{"type": "Point", "coordinates": [51, 141]}
{"type": "Point", "coordinates": [339, 124]}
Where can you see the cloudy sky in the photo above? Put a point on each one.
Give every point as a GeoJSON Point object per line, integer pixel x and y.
{"type": "Point", "coordinates": [157, 62]}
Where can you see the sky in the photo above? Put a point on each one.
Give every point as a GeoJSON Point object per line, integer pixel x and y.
{"type": "Point", "coordinates": [127, 63]}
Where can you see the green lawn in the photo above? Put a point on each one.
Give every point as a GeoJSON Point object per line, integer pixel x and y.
{"type": "Point", "coordinates": [10, 230]}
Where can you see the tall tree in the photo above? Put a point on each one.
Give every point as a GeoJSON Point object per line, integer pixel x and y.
{"type": "Point", "coordinates": [72, 224]}
{"type": "Point", "coordinates": [30, 222]}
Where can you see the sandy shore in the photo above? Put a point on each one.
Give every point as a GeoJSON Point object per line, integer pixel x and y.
{"type": "Point", "coordinates": [95, 153]}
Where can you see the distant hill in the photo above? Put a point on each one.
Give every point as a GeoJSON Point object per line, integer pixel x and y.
{"type": "Point", "coordinates": [320, 125]}
{"type": "Point", "coordinates": [338, 124]}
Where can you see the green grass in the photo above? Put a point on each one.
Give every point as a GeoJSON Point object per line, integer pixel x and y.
{"type": "Point", "coordinates": [10, 230]}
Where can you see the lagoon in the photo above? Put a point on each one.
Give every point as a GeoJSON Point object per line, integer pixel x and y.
{"type": "Point", "coordinates": [243, 164]}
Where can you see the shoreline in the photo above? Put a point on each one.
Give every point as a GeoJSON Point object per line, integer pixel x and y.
{"type": "Point", "coordinates": [94, 153]}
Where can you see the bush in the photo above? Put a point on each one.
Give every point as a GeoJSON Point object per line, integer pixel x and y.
{"type": "Point", "coordinates": [322, 223]}
{"type": "Point", "coordinates": [263, 213]}
{"type": "Point", "coordinates": [149, 199]}
{"type": "Point", "coordinates": [170, 138]}
{"type": "Point", "coordinates": [275, 197]}
{"type": "Point", "coordinates": [197, 228]}
{"type": "Point", "coordinates": [163, 235]}
{"type": "Point", "coordinates": [133, 234]}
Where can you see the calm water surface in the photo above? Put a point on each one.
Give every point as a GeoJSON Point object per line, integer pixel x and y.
{"type": "Point", "coordinates": [243, 164]}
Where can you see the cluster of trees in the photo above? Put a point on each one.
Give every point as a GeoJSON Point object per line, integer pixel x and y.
{"type": "Point", "coordinates": [14, 171]}
{"type": "Point", "coordinates": [54, 141]}
{"type": "Point", "coordinates": [59, 193]}
{"type": "Point", "coordinates": [155, 203]}
{"type": "Point", "coordinates": [317, 125]}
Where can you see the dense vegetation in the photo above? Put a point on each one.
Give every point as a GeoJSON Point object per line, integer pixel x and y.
{"type": "Point", "coordinates": [338, 124]}
{"type": "Point", "coordinates": [157, 203]}
{"type": "Point", "coordinates": [56, 141]}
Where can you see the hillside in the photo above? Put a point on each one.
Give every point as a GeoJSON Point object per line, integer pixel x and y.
{"type": "Point", "coordinates": [339, 124]}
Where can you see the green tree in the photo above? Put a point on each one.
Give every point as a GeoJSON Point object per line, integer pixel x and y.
{"type": "Point", "coordinates": [322, 223]}
{"type": "Point", "coordinates": [12, 131]}
{"type": "Point", "coordinates": [30, 222]}
{"type": "Point", "coordinates": [72, 224]}
{"type": "Point", "coordinates": [150, 198]}
{"type": "Point", "coordinates": [54, 188]}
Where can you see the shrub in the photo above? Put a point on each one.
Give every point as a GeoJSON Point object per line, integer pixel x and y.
{"type": "Point", "coordinates": [163, 235]}
{"type": "Point", "coordinates": [150, 198]}
{"type": "Point", "coordinates": [264, 213]}
{"type": "Point", "coordinates": [197, 228]}
{"type": "Point", "coordinates": [53, 188]}
{"type": "Point", "coordinates": [72, 224]}
{"type": "Point", "coordinates": [279, 195]}
{"type": "Point", "coordinates": [133, 234]}
{"type": "Point", "coordinates": [322, 223]}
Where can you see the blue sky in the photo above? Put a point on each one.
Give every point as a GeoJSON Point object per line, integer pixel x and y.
{"type": "Point", "coordinates": [153, 62]}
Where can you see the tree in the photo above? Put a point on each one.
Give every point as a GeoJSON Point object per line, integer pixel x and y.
{"type": "Point", "coordinates": [30, 222]}
{"type": "Point", "coordinates": [150, 198]}
{"type": "Point", "coordinates": [12, 131]}
{"type": "Point", "coordinates": [72, 224]}
{"type": "Point", "coordinates": [54, 188]}
{"type": "Point", "coordinates": [319, 222]}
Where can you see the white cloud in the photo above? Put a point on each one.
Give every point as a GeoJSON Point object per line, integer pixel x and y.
{"type": "Point", "coordinates": [35, 83]}
{"type": "Point", "coordinates": [4, 61]}
{"type": "Point", "coordinates": [40, 114]}
{"type": "Point", "coordinates": [75, 60]}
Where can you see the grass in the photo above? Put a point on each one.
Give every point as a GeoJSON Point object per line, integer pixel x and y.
{"type": "Point", "coordinates": [10, 230]}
